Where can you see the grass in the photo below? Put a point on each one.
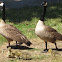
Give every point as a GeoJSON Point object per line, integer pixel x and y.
{"type": "Point", "coordinates": [2, 40]}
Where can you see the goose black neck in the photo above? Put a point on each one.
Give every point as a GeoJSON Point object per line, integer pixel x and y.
{"type": "Point", "coordinates": [3, 15]}
{"type": "Point", "coordinates": [44, 12]}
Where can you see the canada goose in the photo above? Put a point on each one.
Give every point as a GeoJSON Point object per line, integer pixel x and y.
{"type": "Point", "coordinates": [46, 33]}
{"type": "Point", "coordinates": [10, 32]}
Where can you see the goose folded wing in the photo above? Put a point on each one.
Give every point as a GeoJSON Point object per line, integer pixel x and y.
{"type": "Point", "coordinates": [49, 29]}
{"type": "Point", "coordinates": [12, 32]}
{"type": "Point", "coordinates": [53, 33]}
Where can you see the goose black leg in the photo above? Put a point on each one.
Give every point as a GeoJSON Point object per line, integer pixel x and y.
{"type": "Point", "coordinates": [16, 43]}
{"type": "Point", "coordinates": [8, 44]}
{"type": "Point", "coordinates": [45, 50]}
{"type": "Point", "coordinates": [56, 46]}
{"type": "Point", "coordinates": [46, 47]}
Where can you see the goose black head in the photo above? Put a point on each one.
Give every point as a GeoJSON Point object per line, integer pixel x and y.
{"type": "Point", "coordinates": [44, 3]}
{"type": "Point", "coordinates": [2, 4]}
{"type": "Point", "coordinates": [28, 43]}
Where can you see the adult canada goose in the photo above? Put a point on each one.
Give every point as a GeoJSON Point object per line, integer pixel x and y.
{"type": "Point", "coordinates": [46, 33]}
{"type": "Point", "coordinates": [10, 32]}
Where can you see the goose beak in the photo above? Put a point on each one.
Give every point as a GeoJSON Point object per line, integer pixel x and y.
{"type": "Point", "coordinates": [1, 4]}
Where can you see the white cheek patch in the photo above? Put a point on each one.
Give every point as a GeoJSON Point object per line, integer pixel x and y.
{"type": "Point", "coordinates": [1, 4]}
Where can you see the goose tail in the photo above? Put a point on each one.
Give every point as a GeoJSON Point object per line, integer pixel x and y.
{"type": "Point", "coordinates": [59, 37]}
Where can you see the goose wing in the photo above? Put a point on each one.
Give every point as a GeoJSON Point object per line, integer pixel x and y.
{"type": "Point", "coordinates": [53, 33]}
{"type": "Point", "coordinates": [11, 32]}
{"type": "Point", "coordinates": [49, 29]}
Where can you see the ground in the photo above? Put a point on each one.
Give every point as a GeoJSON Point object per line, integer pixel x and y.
{"type": "Point", "coordinates": [35, 50]}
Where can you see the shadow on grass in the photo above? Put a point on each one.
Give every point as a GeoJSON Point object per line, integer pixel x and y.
{"type": "Point", "coordinates": [58, 49]}
{"type": "Point", "coordinates": [20, 47]}
{"type": "Point", "coordinates": [27, 13]}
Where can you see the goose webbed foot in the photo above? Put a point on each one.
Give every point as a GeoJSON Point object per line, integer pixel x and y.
{"type": "Point", "coordinates": [8, 46]}
{"type": "Point", "coordinates": [44, 51]}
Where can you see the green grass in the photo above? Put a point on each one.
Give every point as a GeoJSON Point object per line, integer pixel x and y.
{"type": "Point", "coordinates": [2, 40]}
{"type": "Point", "coordinates": [25, 19]}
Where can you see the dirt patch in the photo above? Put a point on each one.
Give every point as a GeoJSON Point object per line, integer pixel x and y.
{"type": "Point", "coordinates": [34, 50]}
